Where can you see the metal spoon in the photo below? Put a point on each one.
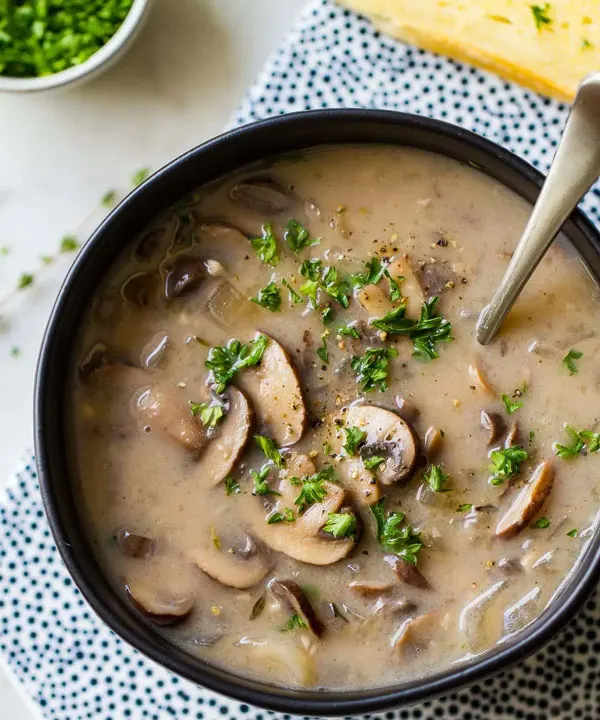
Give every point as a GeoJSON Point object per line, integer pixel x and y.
{"type": "Point", "coordinates": [576, 166]}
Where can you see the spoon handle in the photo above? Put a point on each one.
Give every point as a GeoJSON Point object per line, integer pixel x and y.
{"type": "Point", "coordinates": [575, 167]}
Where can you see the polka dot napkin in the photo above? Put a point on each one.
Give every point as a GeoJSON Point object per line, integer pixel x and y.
{"type": "Point", "coordinates": [67, 661]}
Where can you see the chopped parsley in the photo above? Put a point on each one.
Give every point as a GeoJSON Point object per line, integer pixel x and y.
{"type": "Point", "coordinates": [464, 507]}
{"type": "Point", "coordinates": [293, 295]}
{"type": "Point", "coordinates": [573, 533]}
{"type": "Point", "coordinates": [266, 245]}
{"type": "Point", "coordinates": [270, 450]}
{"type": "Point", "coordinates": [69, 244]}
{"type": "Point", "coordinates": [580, 440]}
{"type": "Point", "coordinates": [322, 352]}
{"type": "Point", "coordinates": [298, 237]}
{"type": "Point", "coordinates": [569, 361]}
{"type": "Point", "coordinates": [373, 462]}
{"type": "Point", "coordinates": [277, 517]}
{"type": "Point", "coordinates": [506, 463]}
{"type": "Point", "coordinates": [541, 523]}
{"type": "Point", "coordinates": [139, 176]}
{"type": "Point", "coordinates": [348, 331]}
{"type": "Point", "coordinates": [313, 489]}
{"type": "Point", "coordinates": [436, 478]}
{"type": "Point", "coordinates": [510, 404]}
{"type": "Point", "coordinates": [374, 270]}
{"type": "Point", "coordinates": [541, 15]}
{"type": "Point", "coordinates": [327, 315]}
{"type": "Point", "coordinates": [425, 333]}
{"type": "Point", "coordinates": [295, 622]}
{"type": "Point", "coordinates": [372, 368]}
{"type": "Point", "coordinates": [341, 525]}
{"type": "Point", "coordinates": [108, 199]}
{"type": "Point", "coordinates": [269, 297]}
{"type": "Point", "coordinates": [395, 289]}
{"type": "Point", "coordinates": [354, 437]}
{"type": "Point", "coordinates": [325, 279]}
{"type": "Point", "coordinates": [225, 362]}
{"type": "Point", "coordinates": [210, 413]}
{"type": "Point", "coordinates": [586, 44]}
{"type": "Point", "coordinates": [232, 487]}
{"type": "Point", "coordinates": [261, 486]}
{"type": "Point", "coordinates": [394, 535]}
{"type": "Point", "coordinates": [15, 351]}
{"type": "Point", "coordinates": [25, 280]}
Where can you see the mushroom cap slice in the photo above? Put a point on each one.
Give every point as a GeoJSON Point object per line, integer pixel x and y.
{"type": "Point", "coordinates": [406, 572]}
{"type": "Point", "coordinates": [132, 545]}
{"type": "Point", "coordinates": [302, 539]}
{"type": "Point", "coordinates": [233, 567]}
{"type": "Point", "coordinates": [374, 301]}
{"type": "Point", "coordinates": [291, 594]}
{"type": "Point", "coordinates": [417, 632]}
{"type": "Point", "coordinates": [493, 424]}
{"type": "Point", "coordinates": [528, 501]}
{"type": "Point", "coordinates": [363, 483]}
{"type": "Point", "coordinates": [160, 607]}
{"type": "Point", "coordinates": [274, 390]}
{"type": "Point", "coordinates": [388, 435]}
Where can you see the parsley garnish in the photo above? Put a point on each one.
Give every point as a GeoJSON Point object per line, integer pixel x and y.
{"type": "Point", "coordinates": [395, 290]}
{"type": "Point", "coordinates": [327, 315]}
{"type": "Point", "coordinates": [325, 279]}
{"type": "Point", "coordinates": [354, 437]}
{"type": "Point", "coordinates": [511, 405]}
{"type": "Point", "coordinates": [270, 450]}
{"type": "Point", "coordinates": [586, 44]}
{"type": "Point", "coordinates": [569, 358]}
{"type": "Point", "coordinates": [464, 507]}
{"type": "Point", "coordinates": [269, 297]}
{"type": "Point", "coordinates": [506, 463]}
{"type": "Point", "coordinates": [349, 331]}
{"type": "Point", "coordinates": [313, 488]}
{"type": "Point", "coordinates": [286, 516]}
{"type": "Point", "coordinates": [425, 333]}
{"type": "Point", "coordinates": [15, 351]}
{"type": "Point", "coordinates": [261, 486]}
{"type": "Point", "coordinates": [395, 536]}
{"type": "Point", "coordinates": [225, 362]}
{"type": "Point", "coordinates": [373, 462]}
{"type": "Point", "coordinates": [69, 244]}
{"type": "Point", "coordinates": [293, 295]}
{"type": "Point", "coordinates": [108, 199]}
{"type": "Point", "coordinates": [322, 352]}
{"type": "Point", "coordinates": [295, 622]}
{"type": "Point", "coordinates": [210, 413]}
{"type": "Point", "coordinates": [232, 487]}
{"type": "Point", "coordinates": [374, 270]}
{"type": "Point", "coordinates": [341, 525]}
{"type": "Point", "coordinates": [541, 523]}
{"type": "Point", "coordinates": [579, 440]}
{"type": "Point", "coordinates": [436, 478]}
{"type": "Point", "coordinates": [266, 245]}
{"type": "Point", "coordinates": [541, 15]}
{"type": "Point", "coordinates": [25, 280]}
{"type": "Point", "coordinates": [297, 237]}
{"type": "Point", "coordinates": [372, 368]}
{"type": "Point", "coordinates": [572, 533]}
{"type": "Point", "coordinates": [139, 176]}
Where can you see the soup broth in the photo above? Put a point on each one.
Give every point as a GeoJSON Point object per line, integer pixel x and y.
{"type": "Point", "coordinates": [288, 445]}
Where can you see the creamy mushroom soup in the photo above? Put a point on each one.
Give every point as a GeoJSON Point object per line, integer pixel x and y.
{"type": "Point", "coordinates": [288, 445]}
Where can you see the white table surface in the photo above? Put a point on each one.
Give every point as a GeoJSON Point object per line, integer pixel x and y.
{"type": "Point", "coordinates": [60, 152]}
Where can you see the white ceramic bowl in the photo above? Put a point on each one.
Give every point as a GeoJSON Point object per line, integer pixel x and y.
{"type": "Point", "coordinates": [94, 65]}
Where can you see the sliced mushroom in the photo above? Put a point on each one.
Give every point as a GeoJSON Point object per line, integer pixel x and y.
{"type": "Point", "coordinates": [475, 615]}
{"type": "Point", "coordinates": [132, 545]}
{"type": "Point", "coordinates": [139, 289]}
{"type": "Point", "coordinates": [492, 424]}
{"type": "Point", "coordinates": [274, 390]}
{"type": "Point", "coordinates": [263, 194]}
{"type": "Point", "coordinates": [370, 588]}
{"type": "Point", "coordinates": [302, 539]}
{"type": "Point", "coordinates": [479, 381]}
{"type": "Point", "coordinates": [154, 351]}
{"type": "Point", "coordinates": [406, 409]}
{"type": "Point", "coordinates": [282, 659]}
{"type": "Point", "coordinates": [362, 482]}
{"type": "Point", "coordinates": [526, 609]}
{"type": "Point", "coordinates": [230, 566]}
{"type": "Point", "coordinates": [528, 501]}
{"type": "Point", "coordinates": [512, 436]}
{"type": "Point", "coordinates": [374, 301]}
{"type": "Point", "coordinates": [411, 287]}
{"type": "Point", "coordinates": [162, 608]}
{"type": "Point", "coordinates": [432, 443]}
{"type": "Point", "coordinates": [406, 572]}
{"type": "Point", "coordinates": [416, 632]}
{"type": "Point", "coordinates": [217, 229]}
{"type": "Point", "coordinates": [100, 356]}
{"type": "Point", "coordinates": [290, 594]}
{"type": "Point", "coordinates": [388, 435]}
{"type": "Point", "coordinates": [183, 275]}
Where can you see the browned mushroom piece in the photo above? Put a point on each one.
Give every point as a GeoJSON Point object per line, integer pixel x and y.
{"type": "Point", "coordinates": [140, 289]}
{"type": "Point", "coordinates": [406, 409]}
{"type": "Point", "coordinates": [432, 443]}
{"type": "Point", "coordinates": [133, 545]}
{"type": "Point", "coordinates": [417, 632]}
{"type": "Point", "coordinates": [100, 356]}
{"type": "Point", "coordinates": [528, 501]}
{"type": "Point", "coordinates": [512, 436]}
{"type": "Point", "coordinates": [162, 607]}
{"type": "Point", "coordinates": [217, 229]}
{"type": "Point", "coordinates": [274, 390]}
{"type": "Point", "coordinates": [389, 436]}
{"type": "Point", "coordinates": [262, 194]}
{"type": "Point", "coordinates": [479, 381]}
{"type": "Point", "coordinates": [492, 424]}
{"type": "Point", "coordinates": [290, 594]}
{"type": "Point", "coordinates": [183, 275]}
{"type": "Point", "coordinates": [236, 564]}
{"type": "Point", "coordinates": [406, 572]}
{"type": "Point", "coordinates": [370, 588]}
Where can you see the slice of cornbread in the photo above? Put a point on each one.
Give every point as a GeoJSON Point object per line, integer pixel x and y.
{"type": "Point", "coordinates": [548, 47]}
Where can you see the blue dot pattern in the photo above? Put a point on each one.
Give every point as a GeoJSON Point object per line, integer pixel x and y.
{"type": "Point", "coordinates": [76, 668]}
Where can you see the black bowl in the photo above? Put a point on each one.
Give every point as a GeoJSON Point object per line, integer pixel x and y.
{"type": "Point", "coordinates": [205, 163]}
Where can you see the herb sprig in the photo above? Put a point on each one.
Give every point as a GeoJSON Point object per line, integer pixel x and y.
{"type": "Point", "coordinates": [269, 297]}
{"type": "Point", "coordinates": [506, 463]}
{"type": "Point", "coordinates": [298, 237]}
{"type": "Point", "coordinates": [396, 536]}
{"type": "Point", "coordinates": [341, 525]}
{"type": "Point", "coordinates": [371, 368]}
{"type": "Point", "coordinates": [270, 450]}
{"type": "Point", "coordinates": [569, 361]}
{"type": "Point", "coordinates": [225, 362]}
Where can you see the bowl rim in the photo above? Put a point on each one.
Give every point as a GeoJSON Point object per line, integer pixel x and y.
{"type": "Point", "coordinates": [52, 466]}
{"type": "Point", "coordinates": [102, 57]}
